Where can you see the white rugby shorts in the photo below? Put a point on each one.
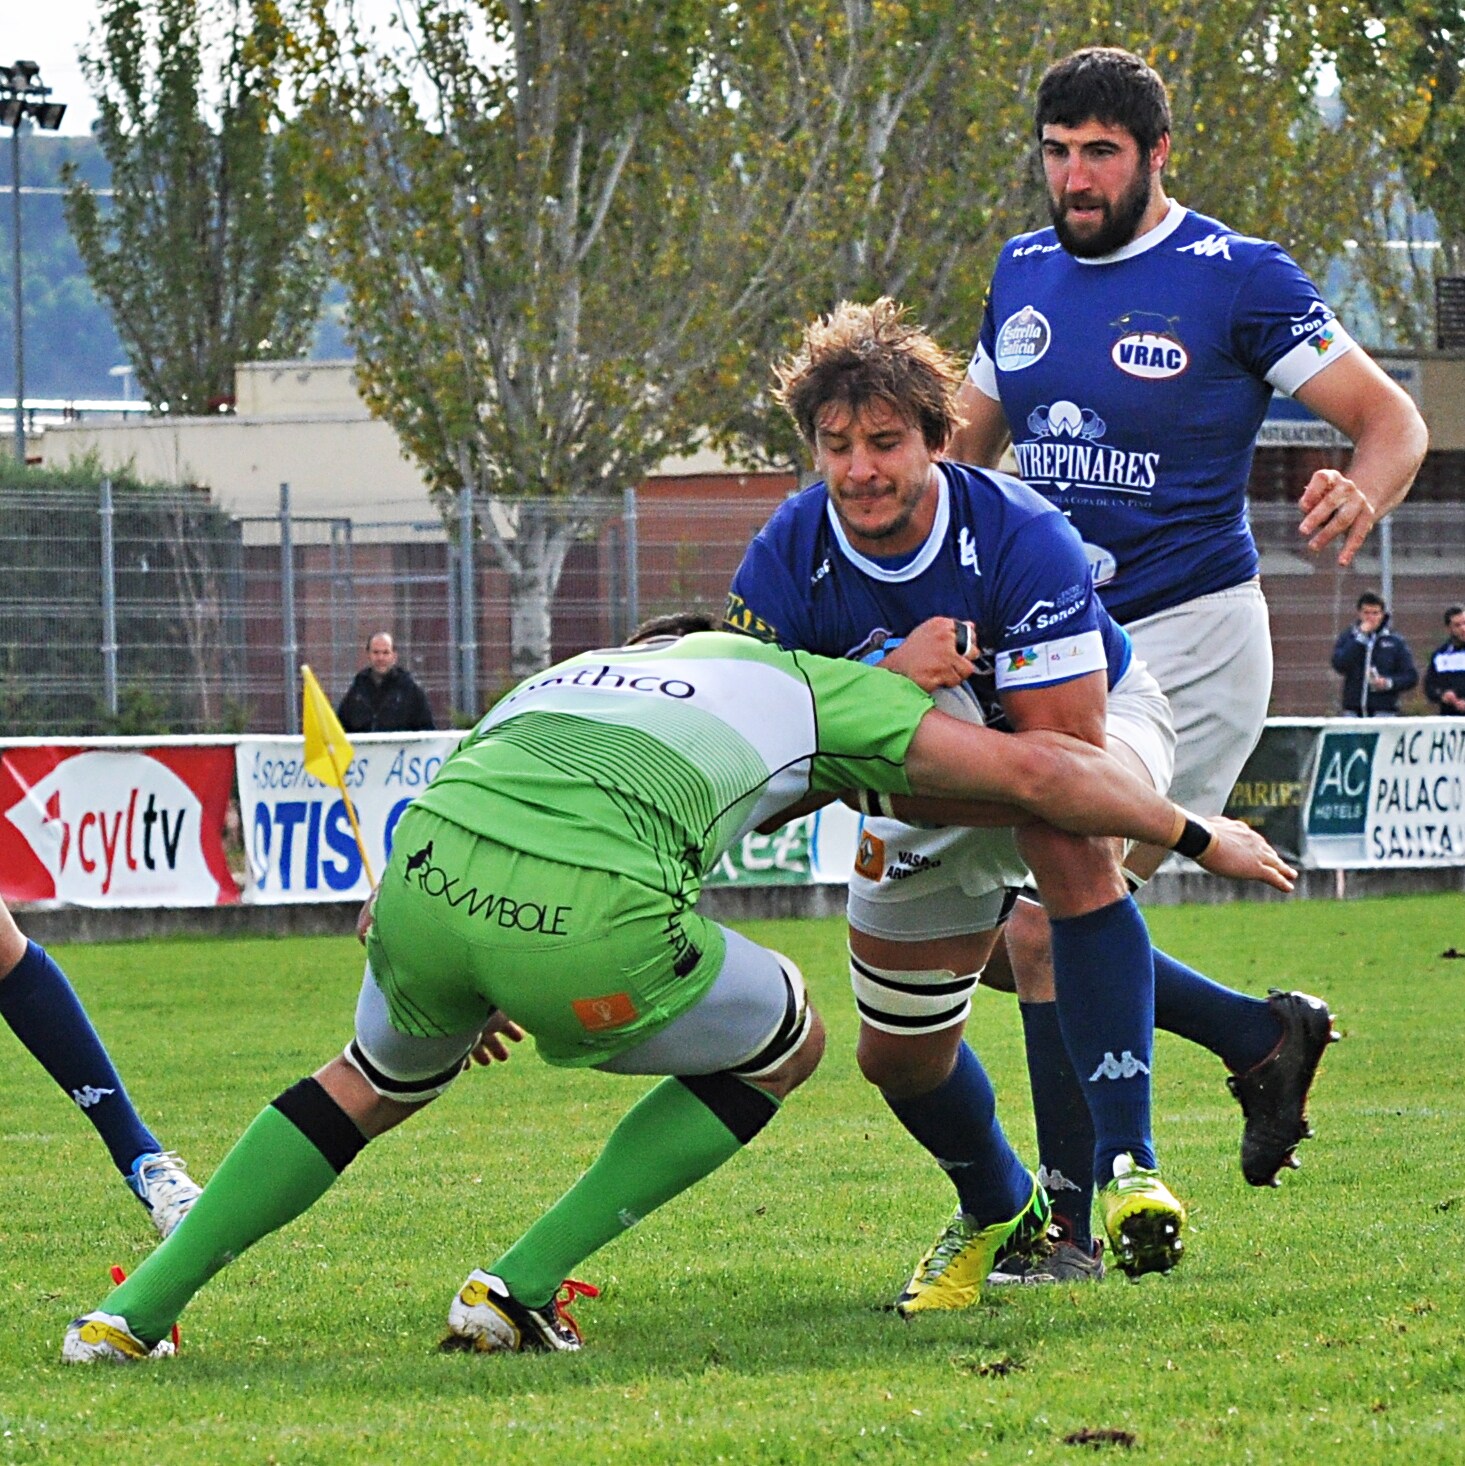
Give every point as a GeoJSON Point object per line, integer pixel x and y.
{"type": "Point", "coordinates": [911, 884]}
{"type": "Point", "coordinates": [1212, 657]}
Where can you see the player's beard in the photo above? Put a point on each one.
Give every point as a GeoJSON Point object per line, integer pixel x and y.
{"type": "Point", "coordinates": [1121, 219]}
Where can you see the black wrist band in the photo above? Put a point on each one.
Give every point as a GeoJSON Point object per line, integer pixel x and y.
{"type": "Point", "coordinates": [1195, 839]}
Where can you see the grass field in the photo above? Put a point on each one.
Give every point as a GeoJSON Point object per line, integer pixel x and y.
{"type": "Point", "coordinates": [1321, 1322]}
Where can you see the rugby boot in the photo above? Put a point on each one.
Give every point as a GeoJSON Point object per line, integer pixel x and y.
{"type": "Point", "coordinates": [1066, 1263]}
{"type": "Point", "coordinates": [486, 1318]}
{"type": "Point", "coordinates": [1273, 1094]}
{"type": "Point", "coordinates": [160, 1180]}
{"type": "Point", "coordinates": [952, 1272]}
{"type": "Point", "coordinates": [1143, 1219]}
{"type": "Point", "coordinates": [106, 1336]}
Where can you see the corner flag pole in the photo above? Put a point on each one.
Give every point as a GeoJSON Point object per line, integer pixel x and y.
{"type": "Point", "coordinates": [328, 754]}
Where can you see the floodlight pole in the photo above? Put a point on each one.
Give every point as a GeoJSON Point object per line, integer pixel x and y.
{"type": "Point", "coordinates": [19, 324]}
{"type": "Point", "coordinates": [22, 96]}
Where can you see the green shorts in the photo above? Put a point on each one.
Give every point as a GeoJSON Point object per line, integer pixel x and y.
{"type": "Point", "coordinates": [590, 962]}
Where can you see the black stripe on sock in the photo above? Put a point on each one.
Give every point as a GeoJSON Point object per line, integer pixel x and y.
{"type": "Point", "coordinates": [322, 1122]}
{"type": "Point", "coordinates": [742, 1107]}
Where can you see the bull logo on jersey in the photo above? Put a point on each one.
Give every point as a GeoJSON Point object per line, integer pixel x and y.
{"type": "Point", "coordinates": [1066, 420]}
{"type": "Point", "coordinates": [1148, 346]}
{"type": "Point", "coordinates": [1023, 340]}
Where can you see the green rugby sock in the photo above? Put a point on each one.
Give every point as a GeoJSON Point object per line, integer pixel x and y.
{"type": "Point", "coordinates": [275, 1171]}
{"type": "Point", "coordinates": [681, 1131]}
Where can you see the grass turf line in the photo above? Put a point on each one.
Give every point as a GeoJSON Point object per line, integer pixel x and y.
{"type": "Point", "coordinates": [742, 1322]}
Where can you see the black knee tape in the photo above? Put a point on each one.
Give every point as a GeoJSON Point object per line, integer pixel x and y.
{"type": "Point", "coordinates": [742, 1107]}
{"type": "Point", "coordinates": [322, 1122]}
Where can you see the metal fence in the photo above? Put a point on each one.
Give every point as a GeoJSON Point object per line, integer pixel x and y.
{"type": "Point", "coordinates": [151, 612]}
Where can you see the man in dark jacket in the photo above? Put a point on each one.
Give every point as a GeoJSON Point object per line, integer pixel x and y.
{"type": "Point", "coordinates": [384, 698]}
{"type": "Point", "coordinates": [1374, 662]}
{"type": "Point", "coordinates": [1444, 681]}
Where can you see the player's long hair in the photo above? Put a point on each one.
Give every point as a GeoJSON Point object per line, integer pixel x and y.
{"type": "Point", "coordinates": [859, 354]}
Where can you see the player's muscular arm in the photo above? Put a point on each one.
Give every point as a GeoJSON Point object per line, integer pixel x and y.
{"type": "Point", "coordinates": [1076, 874]}
{"type": "Point", "coordinates": [1389, 441]}
{"type": "Point", "coordinates": [983, 432]}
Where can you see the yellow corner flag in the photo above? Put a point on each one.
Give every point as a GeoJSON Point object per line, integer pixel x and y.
{"type": "Point", "coordinates": [328, 752]}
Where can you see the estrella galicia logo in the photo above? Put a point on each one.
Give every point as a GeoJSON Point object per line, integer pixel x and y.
{"type": "Point", "coordinates": [501, 911]}
{"type": "Point", "coordinates": [1023, 340]}
{"type": "Point", "coordinates": [1148, 346]}
{"type": "Point", "coordinates": [1066, 420]}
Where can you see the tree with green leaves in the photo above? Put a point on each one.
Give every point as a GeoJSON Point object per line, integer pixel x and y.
{"type": "Point", "coordinates": [557, 224]}
{"type": "Point", "coordinates": [203, 255]}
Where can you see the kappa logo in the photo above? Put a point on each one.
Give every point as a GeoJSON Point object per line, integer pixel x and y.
{"type": "Point", "coordinates": [1211, 245]}
{"type": "Point", "coordinates": [1053, 1180]}
{"type": "Point", "coordinates": [1125, 1067]}
{"type": "Point", "coordinates": [1066, 420]}
{"type": "Point", "coordinates": [88, 1095]}
{"type": "Point", "coordinates": [1024, 250]}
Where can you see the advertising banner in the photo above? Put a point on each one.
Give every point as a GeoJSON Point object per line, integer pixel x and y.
{"type": "Point", "coordinates": [297, 835]}
{"type": "Point", "coordinates": [818, 849]}
{"type": "Point", "coordinates": [1388, 792]}
{"type": "Point", "coordinates": [141, 826]}
{"type": "Point", "coordinates": [1272, 788]}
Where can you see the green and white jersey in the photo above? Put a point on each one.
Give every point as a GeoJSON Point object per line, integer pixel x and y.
{"type": "Point", "coordinates": [652, 760]}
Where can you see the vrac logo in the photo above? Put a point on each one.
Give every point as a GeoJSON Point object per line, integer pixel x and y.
{"type": "Point", "coordinates": [1212, 244]}
{"type": "Point", "coordinates": [1149, 347]}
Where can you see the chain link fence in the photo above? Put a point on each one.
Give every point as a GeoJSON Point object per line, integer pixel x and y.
{"type": "Point", "coordinates": [153, 612]}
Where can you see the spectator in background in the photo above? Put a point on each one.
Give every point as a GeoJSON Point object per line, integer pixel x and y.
{"type": "Point", "coordinates": [1374, 662]}
{"type": "Point", "coordinates": [384, 698]}
{"type": "Point", "coordinates": [1444, 682]}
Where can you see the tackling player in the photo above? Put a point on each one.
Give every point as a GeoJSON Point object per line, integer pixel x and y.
{"type": "Point", "coordinates": [1130, 352]}
{"type": "Point", "coordinates": [891, 537]}
{"type": "Point", "coordinates": [45, 1014]}
{"type": "Point", "coordinates": [548, 878]}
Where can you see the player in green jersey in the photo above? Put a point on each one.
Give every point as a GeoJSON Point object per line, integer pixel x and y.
{"type": "Point", "coordinates": [546, 881]}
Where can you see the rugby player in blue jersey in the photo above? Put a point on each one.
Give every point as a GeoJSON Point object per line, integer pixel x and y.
{"type": "Point", "coordinates": [1130, 352]}
{"type": "Point", "coordinates": [896, 550]}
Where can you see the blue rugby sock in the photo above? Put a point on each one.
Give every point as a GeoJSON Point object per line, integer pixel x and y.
{"type": "Point", "coordinates": [957, 1122]}
{"type": "Point", "coordinates": [1103, 974]}
{"type": "Point", "coordinates": [47, 1017]}
{"type": "Point", "coordinates": [1065, 1130]}
{"type": "Point", "coordinates": [1240, 1030]}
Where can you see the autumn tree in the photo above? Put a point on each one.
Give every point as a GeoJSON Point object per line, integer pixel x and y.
{"type": "Point", "coordinates": [551, 220]}
{"type": "Point", "coordinates": [203, 254]}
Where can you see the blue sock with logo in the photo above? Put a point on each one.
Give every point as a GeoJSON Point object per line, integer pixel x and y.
{"type": "Point", "coordinates": [1240, 1030]}
{"type": "Point", "coordinates": [1065, 1130]}
{"type": "Point", "coordinates": [1104, 977]}
{"type": "Point", "coordinates": [957, 1122]}
{"type": "Point", "coordinates": [45, 1014]}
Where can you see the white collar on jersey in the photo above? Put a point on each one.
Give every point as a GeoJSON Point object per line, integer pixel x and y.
{"type": "Point", "coordinates": [1147, 241]}
{"type": "Point", "coordinates": [922, 558]}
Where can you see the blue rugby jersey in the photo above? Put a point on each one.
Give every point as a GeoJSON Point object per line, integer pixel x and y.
{"type": "Point", "coordinates": [1134, 386]}
{"type": "Point", "coordinates": [997, 555]}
